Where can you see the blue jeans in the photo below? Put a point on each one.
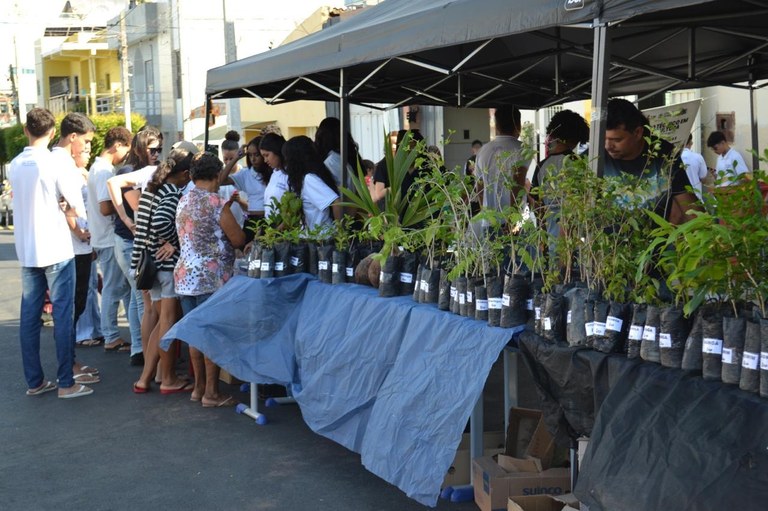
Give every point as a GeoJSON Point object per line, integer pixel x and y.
{"type": "Point", "coordinates": [188, 303]}
{"type": "Point", "coordinates": [123, 249]}
{"type": "Point", "coordinates": [114, 290]}
{"type": "Point", "coordinates": [59, 279]}
{"type": "Point", "coordinates": [88, 325]}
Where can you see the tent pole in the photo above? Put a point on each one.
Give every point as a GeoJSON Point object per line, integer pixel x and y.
{"type": "Point", "coordinates": [753, 123]}
{"type": "Point", "coordinates": [344, 121]}
{"type": "Point", "coordinates": [207, 119]}
{"type": "Point", "coordinates": [600, 63]}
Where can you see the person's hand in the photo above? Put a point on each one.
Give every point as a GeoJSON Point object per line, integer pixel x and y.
{"type": "Point", "coordinates": [83, 235]}
{"type": "Point", "coordinates": [165, 252]}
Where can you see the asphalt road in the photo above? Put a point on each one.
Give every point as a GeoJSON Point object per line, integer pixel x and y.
{"type": "Point", "coordinates": [116, 450]}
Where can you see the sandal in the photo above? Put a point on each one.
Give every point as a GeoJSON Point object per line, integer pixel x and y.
{"type": "Point", "coordinates": [117, 345]}
{"type": "Point", "coordinates": [89, 370]}
{"type": "Point", "coordinates": [46, 386]}
{"type": "Point", "coordinates": [90, 343]}
{"type": "Point", "coordinates": [81, 391]}
{"type": "Point", "coordinates": [220, 403]}
{"type": "Point", "coordinates": [86, 378]}
{"type": "Point", "coordinates": [185, 387]}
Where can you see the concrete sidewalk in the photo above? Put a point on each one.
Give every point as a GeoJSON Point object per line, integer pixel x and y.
{"type": "Point", "coordinates": [116, 450]}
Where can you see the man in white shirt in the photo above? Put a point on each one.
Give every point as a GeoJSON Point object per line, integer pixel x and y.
{"type": "Point", "coordinates": [45, 253]}
{"type": "Point", "coordinates": [695, 167]}
{"type": "Point", "coordinates": [729, 162]}
{"type": "Point", "coordinates": [101, 217]}
{"type": "Point", "coordinates": [499, 166]}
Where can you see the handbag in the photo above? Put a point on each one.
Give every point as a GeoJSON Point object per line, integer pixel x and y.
{"type": "Point", "coordinates": [145, 271]}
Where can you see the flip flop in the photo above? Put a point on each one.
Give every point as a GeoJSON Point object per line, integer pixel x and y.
{"type": "Point", "coordinates": [121, 346]}
{"type": "Point", "coordinates": [186, 387]}
{"type": "Point", "coordinates": [139, 390]}
{"type": "Point", "coordinates": [89, 370]}
{"type": "Point", "coordinates": [86, 378]}
{"type": "Point", "coordinates": [222, 402]}
{"type": "Point", "coordinates": [80, 392]}
{"type": "Point", "coordinates": [90, 343]}
{"type": "Point", "coordinates": [42, 389]}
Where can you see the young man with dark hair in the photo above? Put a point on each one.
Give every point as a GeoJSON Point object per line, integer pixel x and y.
{"type": "Point", "coordinates": [729, 162]}
{"type": "Point", "coordinates": [117, 143]}
{"type": "Point", "coordinates": [627, 152]}
{"type": "Point", "coordinates": [45, 254]}
{"type": "Point", "coordinates": [695, 167]}
{"type": "Point", "coordinates": [499, 166]}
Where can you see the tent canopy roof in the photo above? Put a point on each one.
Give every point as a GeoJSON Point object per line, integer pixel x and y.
{"type": "Point", "coordinates": [482, 53]}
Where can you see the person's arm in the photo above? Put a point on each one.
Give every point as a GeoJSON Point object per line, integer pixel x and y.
{"type": "Point", "coordinates": [164, 225]}
{"type": "Point", "coordinates": [337, 210]}
{"type": "Point", "coordinates": [231, 227]}
{"type": "Point", "coordinates": [681, 204]}
{"type": "Point", "coordinates": [378, 190]}
{"type": "Point", "coordinates": [224, 175]}
{"type": "Point", "coordinates": [106, 208]}
{"type": "Point", "coordinates": [114, 186]}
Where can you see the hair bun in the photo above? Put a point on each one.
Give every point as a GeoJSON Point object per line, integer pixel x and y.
{"type": "Point", "coordinates": [232, 135]}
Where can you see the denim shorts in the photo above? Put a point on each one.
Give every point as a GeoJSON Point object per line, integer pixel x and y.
{"type": "Point", "coordinates": [164, 287]}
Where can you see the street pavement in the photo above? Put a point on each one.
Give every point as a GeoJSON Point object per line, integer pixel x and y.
{"type": "Point", "coordinates": [116, 450]}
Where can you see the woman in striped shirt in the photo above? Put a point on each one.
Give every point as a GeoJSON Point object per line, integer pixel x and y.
{"type": "Point", "coordinates": [156, 233]}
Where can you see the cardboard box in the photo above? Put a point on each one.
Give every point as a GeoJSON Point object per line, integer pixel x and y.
{"type": "Point", "coordinates": [458, 473]}
{"type": "Point", "coordinates": [225, 377]}
{"type": "Point", "coordinates": [527, 436]}
{"type": "Point", "coordinates": [566, 502]}
{"type": "Point", "coordinates": [493, 485]}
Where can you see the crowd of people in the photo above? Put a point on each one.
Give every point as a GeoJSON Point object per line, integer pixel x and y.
{"type": "Point", "coordinates": [182, 218]}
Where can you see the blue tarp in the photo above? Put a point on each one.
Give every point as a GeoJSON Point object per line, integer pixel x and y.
{"type": "Point", "coordinates": [387, 378]}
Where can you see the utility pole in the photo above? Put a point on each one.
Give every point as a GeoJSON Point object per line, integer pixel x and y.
{"type": "Point", "coordinates": [14, 94]}
{"type": "Point", "coordinates": [124, 68]}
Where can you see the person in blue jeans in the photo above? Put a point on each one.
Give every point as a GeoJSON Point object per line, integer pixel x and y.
{"type": "Point", "coordinates": [46, 256]}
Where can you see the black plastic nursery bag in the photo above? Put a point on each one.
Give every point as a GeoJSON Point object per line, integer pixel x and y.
{"type": "Point", "coordinates": [712, 345]}
{"type": "Point", "coordinates": [750, 360]}
{"type": "Point", "coordinates": [300, 258]}
{"type": "Point", "coordinates": [575, 330]}
{"type": "Point", "coordinates": [267, 263]}
{"type": "Point", "coordinates": [692, 356]}
{"type": "Point", "coordinates": [513, 301]}
{"type": "Point", "coordinates": [734, 331]}
{"type": "Point", "coordinates": [339, 267]}
{"type": "Point", "coordinates": [635, 335]}
{"type": "Point", "coordinates": [495, 289]}
{"type": "Point", "coordinates": [389, 278]}
{"type": "Point", "coordinates": [674, 329]}
{"type": "Point", "coordinates": [444, 291]}
{"type": "Point", "coordinates": [409, 262]}
{"type": "Point", "coordinates": [282, 259]}
{"type": "Point", "coordinates": [324, 263]}
{"type": "Point", "coordinates": [481, 302]}
{"type": "Point", "coordinates": [649, 347]}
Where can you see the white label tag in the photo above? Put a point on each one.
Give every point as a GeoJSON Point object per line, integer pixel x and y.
{"type": "Point", "coordinates": [279, 266]}
{"type": "Point", "coordinates": [749, 360]}
{"type": "Point", "coordinates": [635, 333]}
{"type": "Point", "coordinates": [423, 285]}
{"type": "Point", "coordinates": [469, 296]}
{"type": "Point", "coordinates": [712, 346]}
{"type": "Point", "coordinates": [505, 300]}
{"type": "Point", "coordinates": [568, 318]}
{"type": "Point", "coordinates": [665, 340]}
{"type": "Point", "coordinates": [255, 264]}
{"type": "Point", "coordinates": [649, 333]}
{"type": "Point", "coordinates": [335, 268]}
{"type": "Point", "coordinates": [322, 265]}
{"type": "Point", "coordinates": [481, 305]}
{"type": "Point", "coordinates": [538, 312]}
{"type": "Point", "coordinates": [590, 328]}
{"type": "Point", "coordinates": [453, 292]}
{"type": "Point", "coordinates": [294, 261]}
{"type": "Point", "coordinates": [494, 303]}
{"type": "Point", "coordinates": [613, 323]}
{"type": "Point", "coordinates": [764, 361]}
{"type": "Point", "coordinates": [727, 355]}
{"type": "Point", "coordinates": [265, 266]}
{"type": "Point", "coordinates": [547, 324]}
{"type": "Point", "coordinates": [381, 276]}
{"type": "Point", "coordinates": [462, 298]}
{"type": "Point", "coordinates": [350, 271]}
{"type": "Point", "coordinates": [599, 328]}
{"type": "Point", "coordinates": [529, 304]}
{"type": "Point", "coordinates": [406, 278]}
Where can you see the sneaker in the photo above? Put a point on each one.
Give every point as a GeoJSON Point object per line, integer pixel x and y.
{"type": "Point", "coordinates": [137, 359]}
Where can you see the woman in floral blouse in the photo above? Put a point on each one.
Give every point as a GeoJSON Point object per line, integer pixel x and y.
{"type": "Point", "coordinates": [208, 234]}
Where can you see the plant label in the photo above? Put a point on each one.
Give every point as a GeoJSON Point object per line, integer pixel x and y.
{"type": "Point", "coordinates": [322, 265]}
{"type": "Point", "coordinates": [424, 286]}
{"type": "Point", "coordinates": [505, 300]}
{"type": "Point", "coordinates": [749, 360]}
{"type": "Point", "coordinates": [712, 346]}
{"type": "Point", "coordinates": [614, 324]}
{"type": "Point", "coordinates": [538, 313]}
{"type": "Point", "coordinates": [279, 266]}
{"type": "Point", "coordinates": [462, 298]}
{"type": "Point", "coordinates": [255, 264]}
{"type": "Point", "coordinates": [453, 292]}
{"type": "Point", "coordinates": [494, 303]}
{"type": "Point", "coordinates": [482, 305]}
{"type": "Point", "coordinates": [665, 340]}
{"type": "Point", "coordinates": [294, 261]}
{"type": "Point", "coordinates": [547, 324]}
{"type": "Point", "coordinates": [568, 318]}
{"type": "Point", "coordinates": [529, 305]}
{"type": "Point", "coordinates": [727, 355]}
{"type": "Point", "coordinates": [469, 296]}
{"type": "Point", "coordinates": [406, 278]}
{"type": "Point", "coordinates": [635, 333]}
{"type": "Point", "coordinates": [265, 266]}
{"type": "Point", "coordinates": [649, 333]}
{"type": "Point", "coordinates": [335, 268]}
{"type": "Point", "coordinates": [599, 328]}
{"type": "Point", "coordinates": [764, 361]}
{"type": "Point", "coordinates": [590, 328]}
{"type": "Point", "coordinates": [350, 271]}
{"type": "Point", "coordinates": [381, 276]}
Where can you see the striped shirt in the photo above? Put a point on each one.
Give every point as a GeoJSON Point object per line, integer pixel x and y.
{"type": "Point", "coordinates": [160, 207]}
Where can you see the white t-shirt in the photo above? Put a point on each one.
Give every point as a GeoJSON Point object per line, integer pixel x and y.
{"type": "Point", "coordinates": [248, 181]}
{"type": "Point", "coordinates": [141, 177]}
{"type": "Point", "coordinates": [316, 197]}
{"type": "Point", "coordinates": [695, 167]}
{"type": "Point", "coordinates": [732, 164]}
{"type": "Point", "coordinates": [225, 192]}
{"type": "Point", "coordinates": [495, 165]}
{"type": "Point", "coordinates": [333, 163]}
{"type": "Point", "coordinates": [66, 164]}
{"type": "Point", "coordinates": [41, 233]}
{"type": "Point", "coordinates": [278, 184]}
{"type": "Point", "coordinates": [102, 227]}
